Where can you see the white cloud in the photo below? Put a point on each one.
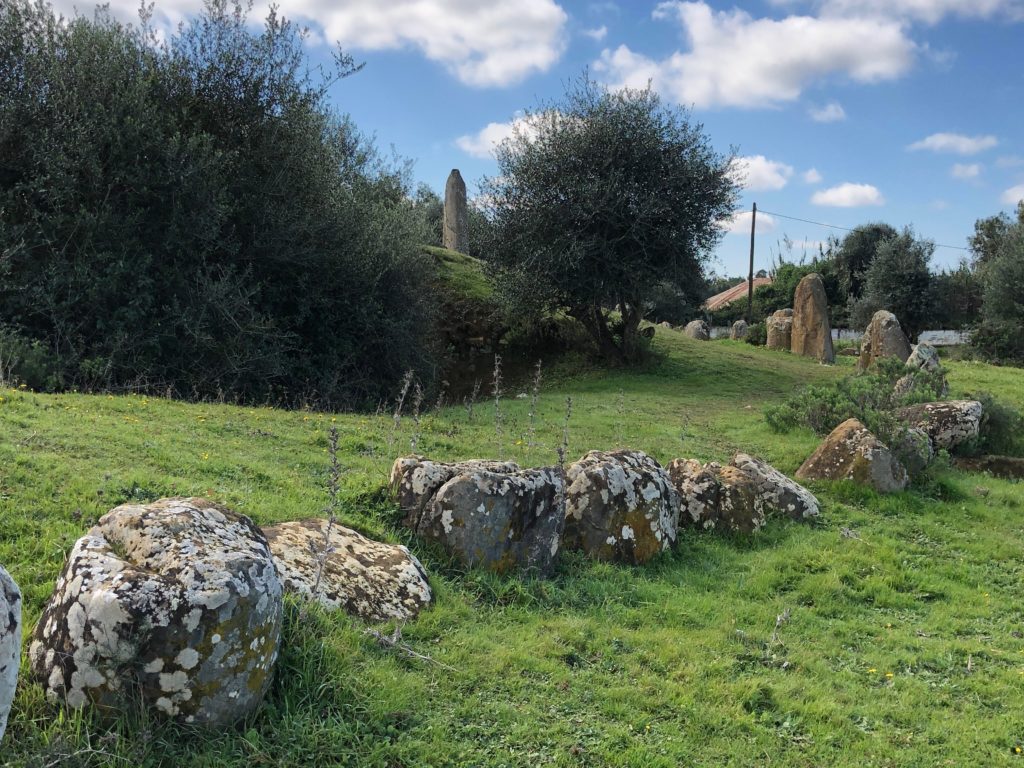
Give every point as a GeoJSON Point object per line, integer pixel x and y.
{"type": "Point", "coordinates": [735, 60]}
{"type": "Point", "coordinates": [739, 223]}
{"type": "Point", "coordinates": [927, 11]}
{"type": "Point", "coordinates": [1014, 195]}
{"type": "Point", "coordinates": [832, 112]}
{"type": "Point", "coordinates": [848, 196]}
{"type": "Point", "coordinates": [1009, 161]}
{"type": "Point", "coordinates": [955, 143]}
{"type": "Point", "coordinates": [598, 34]}
{"type": "Point", "coordinates": [812, 176]}
{"type": "Point", "coordinates": [482, 143]}
{"type": "Point", "coordinates": [757, 173]}
{"type": "Point", "coordinates": [496, 43]}
{"type": "Point", "coordinates": [965, 171]}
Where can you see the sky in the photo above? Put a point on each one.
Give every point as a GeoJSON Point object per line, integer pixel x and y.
{"type": "Point", "coordinates": [840, 111]}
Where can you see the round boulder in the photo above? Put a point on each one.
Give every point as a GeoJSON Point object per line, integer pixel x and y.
{"type": "Point", "coordinates": [697, 329]}
{"type": "Point", "coordinates": [780, 329]}
{"type": "Point", "coordinates": [776, 494]}
{"type": "Point", "coordinates": [949, 423]}
{"type": "Point", "coordinates": [883, 338]}
{"type": "Point", "coordinates": [698, 489]}
{"type": "Point", "coordinates": [176, 604]}
{"type": "Point", "coordinates": [620, 506]}
{"type": "Point", "coordinates": [363, 577]}
{"type": "Point", "coordinates": [852, 452]}
{"type": "Point", "coordinates": [10, 644]}
{"type": "Point", "coordinates": [739, 330]}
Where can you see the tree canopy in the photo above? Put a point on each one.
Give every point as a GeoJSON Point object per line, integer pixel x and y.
{"type": "Point", "coordinates": [599, 200]}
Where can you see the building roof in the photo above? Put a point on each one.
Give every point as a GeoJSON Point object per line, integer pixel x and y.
{"type": "Point", "coordinates": [738, 291]}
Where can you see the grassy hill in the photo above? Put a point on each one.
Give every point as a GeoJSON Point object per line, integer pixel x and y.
{"type": "Point", "coordinates": [904, 645]}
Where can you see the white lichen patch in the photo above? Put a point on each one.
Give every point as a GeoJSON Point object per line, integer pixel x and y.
{"type": "Point", "coordinates": [10, 643]}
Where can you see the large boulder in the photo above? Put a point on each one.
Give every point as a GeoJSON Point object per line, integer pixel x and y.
{"type": "Point", "coordinates": [739, 330]}
{"type": "Point", "coordinates": [949, 423]}
{"type": "Point", "coordinates": [10, 644]}
{"type": "Point", "coordinates": [621, 506]}
{"type": "Point", "coordinates": [501, 521]}
{"type": "Point", "coordinates": [697, 329]}
{"type": "Point", "coordinates": [780, 329]}
{"type": "Point", "coordinates": [883, 338]}
{"type": "Point", "coordinates": [176, 604]}
{"type": "Point", "coordinates": [415, 480]}
{"type": "Point", "coordinates": [812, 332]}
{"type": "Point", "coordinates": [923, 366]}
{"type": "Point", "coordinates": [739, 497]}
{"type": "Point", "coordinates": [852, 452]}
{"type": "Point", "coordinates": [363, 577]}
{"type": "Point", "coordinates": [776, 494]}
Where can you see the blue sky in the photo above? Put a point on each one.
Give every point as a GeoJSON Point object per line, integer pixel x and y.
{"type": "Point", "coordinates": [844, 111]}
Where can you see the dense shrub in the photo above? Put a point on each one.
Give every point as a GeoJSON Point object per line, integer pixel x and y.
{"type": "Point", "coordinates": [898, 280]}
{"type": "Point", "coordinates": [1001, 432]}
{"type": "Point", "coordinates": [190, 215]}
{"type": "Point", "coordinates": [757, 334]}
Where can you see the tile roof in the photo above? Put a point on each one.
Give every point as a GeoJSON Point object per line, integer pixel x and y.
{"type": "Point", "coordinates": [738, 291]}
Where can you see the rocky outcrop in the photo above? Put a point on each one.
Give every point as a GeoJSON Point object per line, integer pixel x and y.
{"type": "Point", "coordinates": [914, 450]}
{"type": "Point", "coordinates": [739, 330]}
{"type": "Point", "coordinates": [363, 577]}
{"type": "Point", "coordinates": [780, 329]}
{"type": "Point", "coordinates": [415, 480]}
{"type": "Point", "coordinates": [502, 521]}
{"type": "Point", "coordinates": [924, 367]}
{"type": "Point", "coordinates": [812, 332]}
{"type": "Point", "coordinates": [10, 644]}
{"type": "Point", "coordinates": [176, 604]}
{"type": "Point", "coordinates": [776, 494]}
{"type": "Point", "coordinates": [949, 423]}
{"type": "Point", "coordinates": [851, 452]}
{"type": "Point", "coordinates": [697, 329]}
{"type": "Point", "coordinates": [621, 506]}
{"type": "Point", "coordinates": [739, 497]}
{"type": "Point", "coordinates": [883, 338]}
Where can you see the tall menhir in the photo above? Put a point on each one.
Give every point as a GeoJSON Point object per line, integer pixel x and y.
{"type": "Point", "coordinates": [455, 215]}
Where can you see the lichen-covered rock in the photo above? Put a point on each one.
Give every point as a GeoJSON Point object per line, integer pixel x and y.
{"type": "Point", "coordinates": [10, 644]}
{"type": "Point", "coordinates": [620, 506]}
{"type": "Point", "coordinates": [949, 423]}
{"type": "Point", "coordinates": [883, 338]}
{"type": "Point", "coordinates": [924, 369]}
{"type": "Point", "coordinates": [363, 577]}
{"type": "Point", "coordinates": [738, 507]}
{"type": "Point", "coordinates": [915, 450]}
{"type": "Point", "coordinates": [697, 329]}
{"type": "Point", "coordinates": [698, 488]}
{"type": "Point", "coordinates": [812, 332]}
{"type": "Point", "coordinates": [852, 452]}
{"type": "Point", "coordinates": [176, 604]}
{"type": "Point", "coordinates": [776, 494]}
{"type": "Point", "coordinates": [780, 329]}
{"type": "Point", "coordinates": [739, 330]}
{"type": "Point", "coordinates": [501, 521]}
{"type": "Point", "coordinates": [924, 357]}
{"type": "Point", "coordinates": [415, 480]}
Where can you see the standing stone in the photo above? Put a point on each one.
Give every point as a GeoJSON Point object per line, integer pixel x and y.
{"type": "Point", "coordinates": [883, 338]}
{"type": "Point", "coordinates": [10, 644]}
{"type": "Point", "coordinates": [739, 330]}
{"type": "Point", "coordinates": [780, 329]}
{"type": "Point", "coordinates": [620, 506]}
{"type": "Point", "coordinates": [366, 578]}
{"type": "Point", "coordinates": [456, 215]}
{"type": "Point", "coordinates": [697, 329]}
{"type": "Point", "coordinates": [176, 604]}
{"type": "Point", "coordinates": [812, 333]}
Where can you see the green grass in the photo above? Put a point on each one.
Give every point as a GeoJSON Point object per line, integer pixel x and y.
{"type": "Point", "coordinates": [602, 665]}
{"type": "Point", "coordinates": [463, 275]}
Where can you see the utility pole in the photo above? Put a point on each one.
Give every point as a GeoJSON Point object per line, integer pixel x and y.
{"type": "Point", "coordinates": [750, 278]}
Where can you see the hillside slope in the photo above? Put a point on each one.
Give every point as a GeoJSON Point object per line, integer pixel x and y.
{"type": "Point", "coordinates": [903, 644]}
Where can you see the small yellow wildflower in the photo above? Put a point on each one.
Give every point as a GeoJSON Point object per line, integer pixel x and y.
{"type": "Point", "coordinates": [872, 670]}
{"type": "Point", "coordinates": [889, 675]}
{"type": "Point", "coordinates": [205, 456]}
{"type": "Point", "coordinates": [1017, 750]}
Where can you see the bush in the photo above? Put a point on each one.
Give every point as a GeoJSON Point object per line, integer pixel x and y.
{"type": "Point", "coordinates": [897, 280]}
{"type": "Point", "coordinates": [1001, 432]}
{"type": "Point", "coordinates": [757, 334]}
{"type": "Point", "coordinates": [204, 223]}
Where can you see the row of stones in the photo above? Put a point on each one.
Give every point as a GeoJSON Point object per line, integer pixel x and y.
{"type": "Point", "coordinates": [619, 506]}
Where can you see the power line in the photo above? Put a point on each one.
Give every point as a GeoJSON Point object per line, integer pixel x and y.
{"type": "Point", "coordinates": [845, 229]}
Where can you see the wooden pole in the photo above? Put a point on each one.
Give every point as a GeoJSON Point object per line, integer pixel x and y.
{"type": "Point", "coordinates": [750, 278]}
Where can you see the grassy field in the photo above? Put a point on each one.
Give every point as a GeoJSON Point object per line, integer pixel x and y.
{"type": "Point", "coordinates": [904, 645]}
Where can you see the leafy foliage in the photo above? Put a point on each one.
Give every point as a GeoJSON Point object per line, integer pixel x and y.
{"type": "Point", "coordinates": [898, 280]}
{"type": "Point", "coordinates": [608, 195]}
{"type": "Point", "coordinates": [855, 253]}
{"type": "Point", "coordinates": [1000, 265]}
{"type": "Point", "coordinates": [191, 216]}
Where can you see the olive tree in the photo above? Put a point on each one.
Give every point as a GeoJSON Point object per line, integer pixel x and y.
{"type": "Point", "coordinates": [600, 199]}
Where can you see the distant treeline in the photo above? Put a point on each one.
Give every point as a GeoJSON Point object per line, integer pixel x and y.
{"type": "Point", "coordinates": [188, 215]}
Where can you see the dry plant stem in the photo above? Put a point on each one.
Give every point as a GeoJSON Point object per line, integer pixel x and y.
{"type": "Point", "coordinates": [394, 642]}
{"type": "Point", "coordinates": [496, 391]}
{"type": "Point", "coordinates": [417, 402]}
{"type": "Point", "coordinates": [620, 408]}
{"type": "Point", "coordinates": [781, 619]}
{"type": "Point", "coordinates": [333, 486]}
{"type": "Point", "coordinates": [396, 418]}
{"type": "Point", "coordinates": [563, 452]}
{"type": "Point", "coordinates": [531, 439]}
{"type": "Point", "coordinates": [470, 401]}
